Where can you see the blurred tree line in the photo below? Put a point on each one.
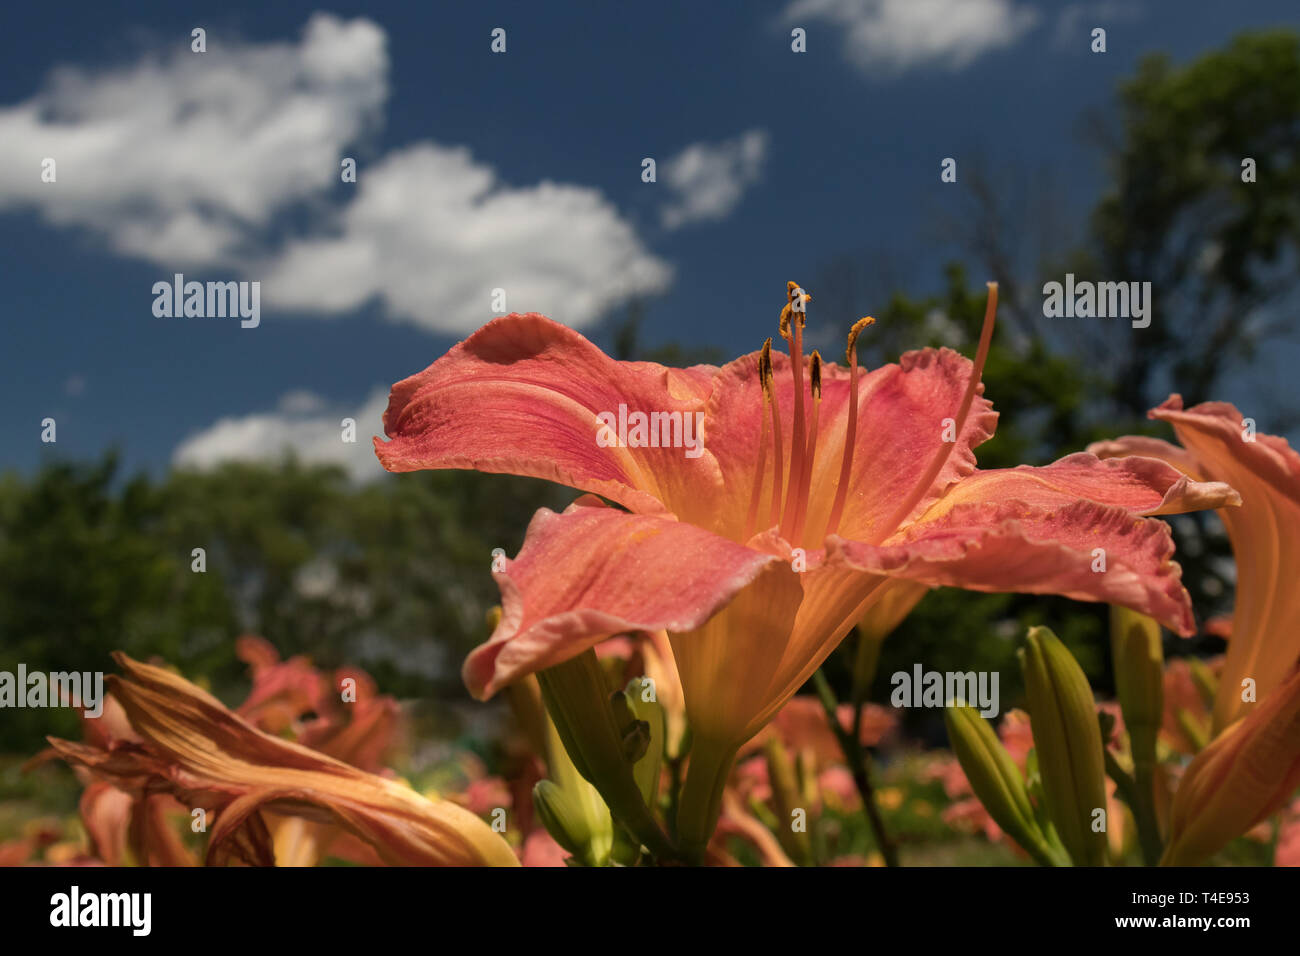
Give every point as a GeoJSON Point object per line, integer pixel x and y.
{"type": "Point", "coordinates": [393, 575]}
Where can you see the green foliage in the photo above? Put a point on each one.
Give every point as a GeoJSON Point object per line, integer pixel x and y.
{"type": "Point", "coordinates": [1219, 251]}
{"type": "Point", "coordinates": [393, 575]}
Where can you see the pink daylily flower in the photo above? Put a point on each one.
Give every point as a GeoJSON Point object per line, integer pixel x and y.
{"type": "Point", "coordinates": [871, 475]}
{"type": "Point", "coordinates": [1218, 445]}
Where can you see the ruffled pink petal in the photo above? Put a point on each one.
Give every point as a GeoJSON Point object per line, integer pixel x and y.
{"type": "Point", "coordinates": [1216, 434]}
{"type": "Point", "coordinates": [521, 395]}
{"type": "Point", "coordinates": [1018, 547]}
{"type": "Point", "coordinates": [1147, 447]}
{"type": "Point", "coordinates": [1265, 641]}
{"type": "Point", "coordinates": [1141, 486]}
{"type": "Point", "coordinates": [593, 572]}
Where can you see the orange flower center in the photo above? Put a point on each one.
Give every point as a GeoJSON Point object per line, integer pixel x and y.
{"type": "Point", "coordinates": [788, 504]}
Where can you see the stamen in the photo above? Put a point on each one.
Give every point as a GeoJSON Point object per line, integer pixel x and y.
{"type": "Point", "coordinates": [945, 448]}
{"type": "Point", "coordinates": [810, 456]}
{"type": "Point", "coordinates": [765, 380]}
{"type": "Point", "coordinates": [788, 310]}
{"type": "Point", "coordinates": [850, 433]}
{"type": "Point", "coordinates": [778, 462]}
{"type": "Point", "coordinates": [794, 319]}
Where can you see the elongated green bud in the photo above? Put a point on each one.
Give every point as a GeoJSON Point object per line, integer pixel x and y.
{"type": "Point", "coordinates": [1139, 679]}
{"type": "Point", "coordinates": [576, 809]}
{"type": "Point", "coordinates": [1067, 737]}
{"type": "Point", "coordinates": [995, 778]}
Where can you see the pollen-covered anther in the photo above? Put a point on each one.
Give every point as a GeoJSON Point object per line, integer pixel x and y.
{"type": "Point", "coordinates": [796, 308]}
{"type": "Point", "coordinates": [851, 350]}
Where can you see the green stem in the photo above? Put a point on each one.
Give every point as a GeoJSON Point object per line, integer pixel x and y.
{"type": "Point", "coordinates": [700, 803]}
{"type": "Point", "coordinates": [674, 793]}
{"type": "Point", "coordinates": [1144, 813]}
{"type": "Point", "coordinates": [1137, 789]}
{"type": "Point", "coordinates": [859, 761]}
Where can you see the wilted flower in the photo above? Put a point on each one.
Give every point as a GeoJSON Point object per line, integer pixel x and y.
{"type": "Point", "coordinates": [187, 744]}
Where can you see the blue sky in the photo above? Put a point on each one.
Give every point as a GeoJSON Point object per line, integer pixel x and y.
{"type": "Point", "coordinates": [478, 170]}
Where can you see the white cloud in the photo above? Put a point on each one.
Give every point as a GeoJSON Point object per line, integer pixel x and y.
{"type": "Point", "coordinates": [208, 160]}
{"type": "Point", "coordinates": [182, 159]}
{"type": "Point", "coordinates": [895, 35]}
{"type": "Point", "coordinates": [303, 424]}
{"type": "Point", "coordinates": [707, 180]}
{"type": "Point", "coordinates": [431, 233]}
{"type": "Point", "coordinates": [1076, 21]}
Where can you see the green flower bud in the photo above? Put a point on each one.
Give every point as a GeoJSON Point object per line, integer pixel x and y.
{"type": "Point", "coordinates": [603, 739]}
{"type": "Point", "coordinates": [574, 827]}
{"type": "Point", "coordinates": [649, 713]}
{"type": "Point", "coordinates": [1067, 737]}
{"type": "Point", "coordinates": [634, 733]}
{"type": "Point", "coordinates": [1139, 679]}
{"type": "Point", "coordinates": [995, 778]}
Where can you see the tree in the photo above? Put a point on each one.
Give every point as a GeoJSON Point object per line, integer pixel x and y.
{"type": "Point", "coordinates": [1220, 252]}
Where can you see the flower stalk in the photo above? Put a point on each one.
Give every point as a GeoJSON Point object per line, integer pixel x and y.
{"type": "Point", "coordinates": [700, 802]}
{"type": "Point", "coordinates": [859, 762]}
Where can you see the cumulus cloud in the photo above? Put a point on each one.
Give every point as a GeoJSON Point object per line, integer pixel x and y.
{"type": "Point", "coordinates": [707, 180]}
{"type": "Point", "coordinates": [229, 160]}
{"type": "Point", "coordinates": [1075, 22]}
{"type": "Point", "coordinates": [182, 159]}
{"type": "Point", "coordinates": [895, 35]}
{"type": "Point", "coordinates": [303, 425]}
{"type": "Point", "coordinates": [431, 233]}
